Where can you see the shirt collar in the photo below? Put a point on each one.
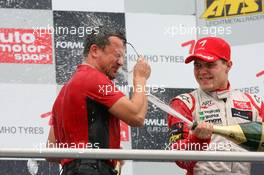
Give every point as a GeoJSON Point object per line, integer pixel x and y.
{"type": "Point", "coordinates": [220, 93]}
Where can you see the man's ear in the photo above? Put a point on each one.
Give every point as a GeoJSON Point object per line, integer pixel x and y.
{"type": "Point", "coordinates": [94, 51]}
{"type": "Point", "coordinates": [229, 65]}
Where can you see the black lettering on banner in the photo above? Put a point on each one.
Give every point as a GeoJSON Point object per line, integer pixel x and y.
{"type": "Point", "coordinates": [8, 130]}
{"type": "Point", "coordinates": [30, 130]}
{"type": "Point", "coordinates": [251, 90]}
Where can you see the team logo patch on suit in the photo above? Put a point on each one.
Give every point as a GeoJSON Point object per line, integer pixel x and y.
{"type": "Point", "coordinates": [211, 116]}
{"type": "Point", "coordinates": [244, 105]}
{"type": "Point", "coordinates": [176, 132]}
{"type": "Point", "coordinates": [207, 104]}
{"type": "Point", "coordinates": [247, 115]}
{"type": "Point", "coordinates": [185, 98]}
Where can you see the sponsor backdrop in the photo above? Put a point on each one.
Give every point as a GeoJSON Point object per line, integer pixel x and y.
{"type": "Point", "coordinates": [163, 45]}
{"type": "Point", "coordinates": [41, 44]}
{"type": "Point", "coordinates": [244, 18]}
{"type": "Point", "coordinates": [70, 29]}
{"type": "Point", "coordinates": [154, 134]}
{"type": "Point", "coordinates": [26, 4]}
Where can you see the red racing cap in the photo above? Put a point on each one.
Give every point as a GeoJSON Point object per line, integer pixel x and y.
{"type": "Point", "coordinates": [210, 49]}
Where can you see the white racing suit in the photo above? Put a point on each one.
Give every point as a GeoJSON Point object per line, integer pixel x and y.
{"type": "Point", "coordinates": [227, 107]}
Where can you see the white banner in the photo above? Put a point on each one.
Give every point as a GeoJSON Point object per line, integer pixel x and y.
{"type": "Point", "coordinates": [89, 5]}
{"type": "Point", "coordinates": [159, 38]}
{"type": "Point", "coordinates": [248, 66]}
{"type": "Point", "coordinates": [21, 109]}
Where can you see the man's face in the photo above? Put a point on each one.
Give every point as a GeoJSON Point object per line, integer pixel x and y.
{"type": "Point", "coordinates": [212, 76]}
{"type": "Point", "coordinates": [112, 57]}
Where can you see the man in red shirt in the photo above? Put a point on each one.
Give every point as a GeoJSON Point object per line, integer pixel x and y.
{"type": "Point", "coordinates": [88, 109]}
{"type": "Point", "coordinates": [214, 102]}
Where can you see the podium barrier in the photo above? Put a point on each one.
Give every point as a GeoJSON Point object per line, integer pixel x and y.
{"type": "Point", "coordinates": [134, 154]}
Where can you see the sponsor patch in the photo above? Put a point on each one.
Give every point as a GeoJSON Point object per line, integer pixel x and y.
{"type": "Point", "coordinates": [246, 115]}
{"type": "Point", "coordinates": [176, 132]}
{"type": "Point", "coordinates": [184, 98]}
{"type": "Point", "coordinates": [207, 104]}
{"type": "Point", "coordinates": [212, 116]}
{"type": "Point", "coordinates": [228, 8]}
{"type": "Point", "coordinates": [187, 99]}
{"type": "Point", "coordinates": [25, 46]}
{"type": "Point", "coordinates": [216, 121]}
{"type": "Point", "coordinates": [244, 105]}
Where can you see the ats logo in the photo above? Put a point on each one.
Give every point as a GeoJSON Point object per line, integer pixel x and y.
{"type": "Point", "coordinates": [228, 8]}
{"type": "Point", "coordinates": [25, 46]}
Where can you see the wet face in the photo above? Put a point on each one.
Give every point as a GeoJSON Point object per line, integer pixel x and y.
{"type": "Point", "coordinates": [111, 58]}
{"type": "Point", "coordinates": [212, 76]}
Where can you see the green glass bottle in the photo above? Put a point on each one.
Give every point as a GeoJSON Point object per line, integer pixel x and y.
{"type": "Point", "coordinates": [249, 135]}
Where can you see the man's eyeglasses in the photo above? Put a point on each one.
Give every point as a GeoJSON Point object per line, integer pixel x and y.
{"type": "Point", "coordinates": [133, 48]}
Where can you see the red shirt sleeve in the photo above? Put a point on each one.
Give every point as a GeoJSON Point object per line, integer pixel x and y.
{"type": "Point", "coordinates": [180, 137]}
{"type": "Point", "coordinates": [103, 90]}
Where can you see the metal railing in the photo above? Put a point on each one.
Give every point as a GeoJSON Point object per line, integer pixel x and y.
{"type": "Point", "coordinates": [134, 154]}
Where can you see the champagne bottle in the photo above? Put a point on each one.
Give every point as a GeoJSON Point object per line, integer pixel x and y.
{"type": "Point", "coordinates": [249, 135]}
